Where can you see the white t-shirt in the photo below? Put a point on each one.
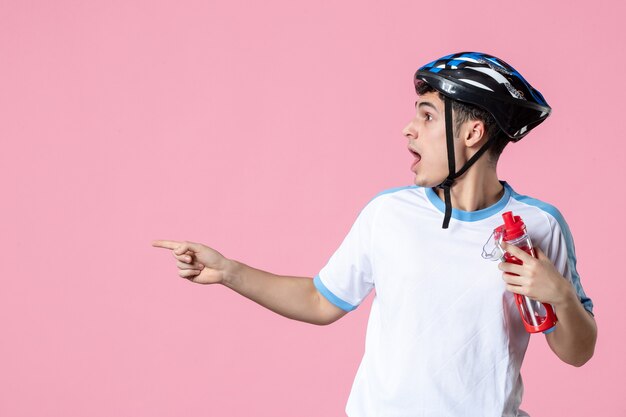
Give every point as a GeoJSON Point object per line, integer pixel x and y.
{"type": "Point", "coordinates": [444, 337]}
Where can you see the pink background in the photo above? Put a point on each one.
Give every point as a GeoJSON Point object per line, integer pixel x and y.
{"type": "Point", "coordinates": [261, 129]}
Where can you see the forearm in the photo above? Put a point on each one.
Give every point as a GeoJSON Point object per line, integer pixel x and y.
{"type": "Point", "coordinates": [574, 338]}
{"type": "Point", "coordinates": [292, 297]}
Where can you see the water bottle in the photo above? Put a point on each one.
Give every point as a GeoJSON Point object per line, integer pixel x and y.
{"type": "Point", "coordinates": [537, 316]}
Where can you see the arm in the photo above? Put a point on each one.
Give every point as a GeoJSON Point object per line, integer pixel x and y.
{"type": "Point", "coordinates": [574, 337]}
{"type": "Point", "coordinates": [292, 297]}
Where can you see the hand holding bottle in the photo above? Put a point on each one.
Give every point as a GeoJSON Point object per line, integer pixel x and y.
{"type": "Point", "coordinates": [537, 278]}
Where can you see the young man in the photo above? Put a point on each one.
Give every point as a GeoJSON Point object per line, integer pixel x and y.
{"type": "Point", "coordinates": [444, 337]}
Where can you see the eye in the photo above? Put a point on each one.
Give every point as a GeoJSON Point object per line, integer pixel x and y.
{"type": "Point", "coordinates": [428, 117]}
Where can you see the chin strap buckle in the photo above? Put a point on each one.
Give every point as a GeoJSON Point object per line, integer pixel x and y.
{"type": "Point", "coordinates": [447, 183]}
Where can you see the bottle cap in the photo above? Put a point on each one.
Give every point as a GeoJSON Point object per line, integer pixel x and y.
{"type": "Point", "coordinates": [513, 226]}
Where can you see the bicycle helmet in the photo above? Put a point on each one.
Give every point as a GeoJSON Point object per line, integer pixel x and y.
{"type": "Point", "coordinates": [491, 84]}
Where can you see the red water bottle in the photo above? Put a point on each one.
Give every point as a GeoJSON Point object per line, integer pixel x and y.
{"type": "Point", "coordinates": [537, 316]}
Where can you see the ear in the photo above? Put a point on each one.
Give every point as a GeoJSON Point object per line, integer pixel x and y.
{"type": "Point", "coordinates": [474, 133]}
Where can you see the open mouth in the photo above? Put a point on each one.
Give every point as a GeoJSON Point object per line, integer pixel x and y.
{"type": "Point", "coordinates": [415, 154]}
{"type": "Point", "coordinates": [417, 157]}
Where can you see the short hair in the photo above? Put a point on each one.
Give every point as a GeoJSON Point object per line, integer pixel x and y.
{"type": "Point", "coordinates": [464, 112]}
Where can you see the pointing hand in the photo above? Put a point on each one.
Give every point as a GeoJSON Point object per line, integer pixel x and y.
{"type": "Point", "coordinates": [197, 263]}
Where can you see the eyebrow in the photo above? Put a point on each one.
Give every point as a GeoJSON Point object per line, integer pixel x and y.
{"type": "Point", "coordinates": [427, 104]}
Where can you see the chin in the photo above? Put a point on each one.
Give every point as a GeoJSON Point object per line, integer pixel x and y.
{"type": "Point", "coordinates": [425, 182]}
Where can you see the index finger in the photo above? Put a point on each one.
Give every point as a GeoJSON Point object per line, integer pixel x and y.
{"type": "Point", "coordinates": [517, 252]}
{"type": "Point", "coordinates": [167, 244]}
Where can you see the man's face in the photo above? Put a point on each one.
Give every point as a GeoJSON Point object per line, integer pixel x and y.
{"type": "Point", "coordinates": [426, 133]}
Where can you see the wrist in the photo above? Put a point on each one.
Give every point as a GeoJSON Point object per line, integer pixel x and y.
{"type": "Point", "coordinates": [230, 271]}
{"type": "Point", "coordinates": [568, 298]}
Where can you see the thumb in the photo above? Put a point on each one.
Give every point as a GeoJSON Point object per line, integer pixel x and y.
{"type": "Point", "coordinates": [540, 253]}
{"type": "Point", "coordinates": [184, 247]}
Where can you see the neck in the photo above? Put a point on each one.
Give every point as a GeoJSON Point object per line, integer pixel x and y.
{"type": "Point", "coordinates": [477, 189]}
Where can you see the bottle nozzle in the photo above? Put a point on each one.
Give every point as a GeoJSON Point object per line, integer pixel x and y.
{"type": "Point", "coordinates": [509, 219]}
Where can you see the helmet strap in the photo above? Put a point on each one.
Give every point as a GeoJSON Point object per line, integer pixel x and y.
{"type": "Point", "coordinates": [452, 174]}
{"type": "Point", "coordinates": [449, 181]}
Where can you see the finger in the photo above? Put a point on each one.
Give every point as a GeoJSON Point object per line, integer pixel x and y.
{"type": "Point", "coordinates": [184, 265]}
{"type": "Point", "coordinates": [516, 289]}
{"type": "Point", "coordinates": [511, 267]}
{"type": "Point", "coordinates": [517, 252]}
{"type": "Point", "coordinates": [185, 257]}
{"type": "Point", "coordinates": [514, 279]}
{"type": "Point", "coordinates": [188, 273]}
{"type": "Point", "coordinates": [185, 246]}
{"type": "Point", "coordinates": [167, 244]}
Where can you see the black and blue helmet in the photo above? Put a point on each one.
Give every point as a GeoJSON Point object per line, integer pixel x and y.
{"type": "Point", "coordinates": [490, 83]}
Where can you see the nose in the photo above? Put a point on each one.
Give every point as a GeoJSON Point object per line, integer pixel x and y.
{"type": "Point", "coordinates": [409, 131]}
